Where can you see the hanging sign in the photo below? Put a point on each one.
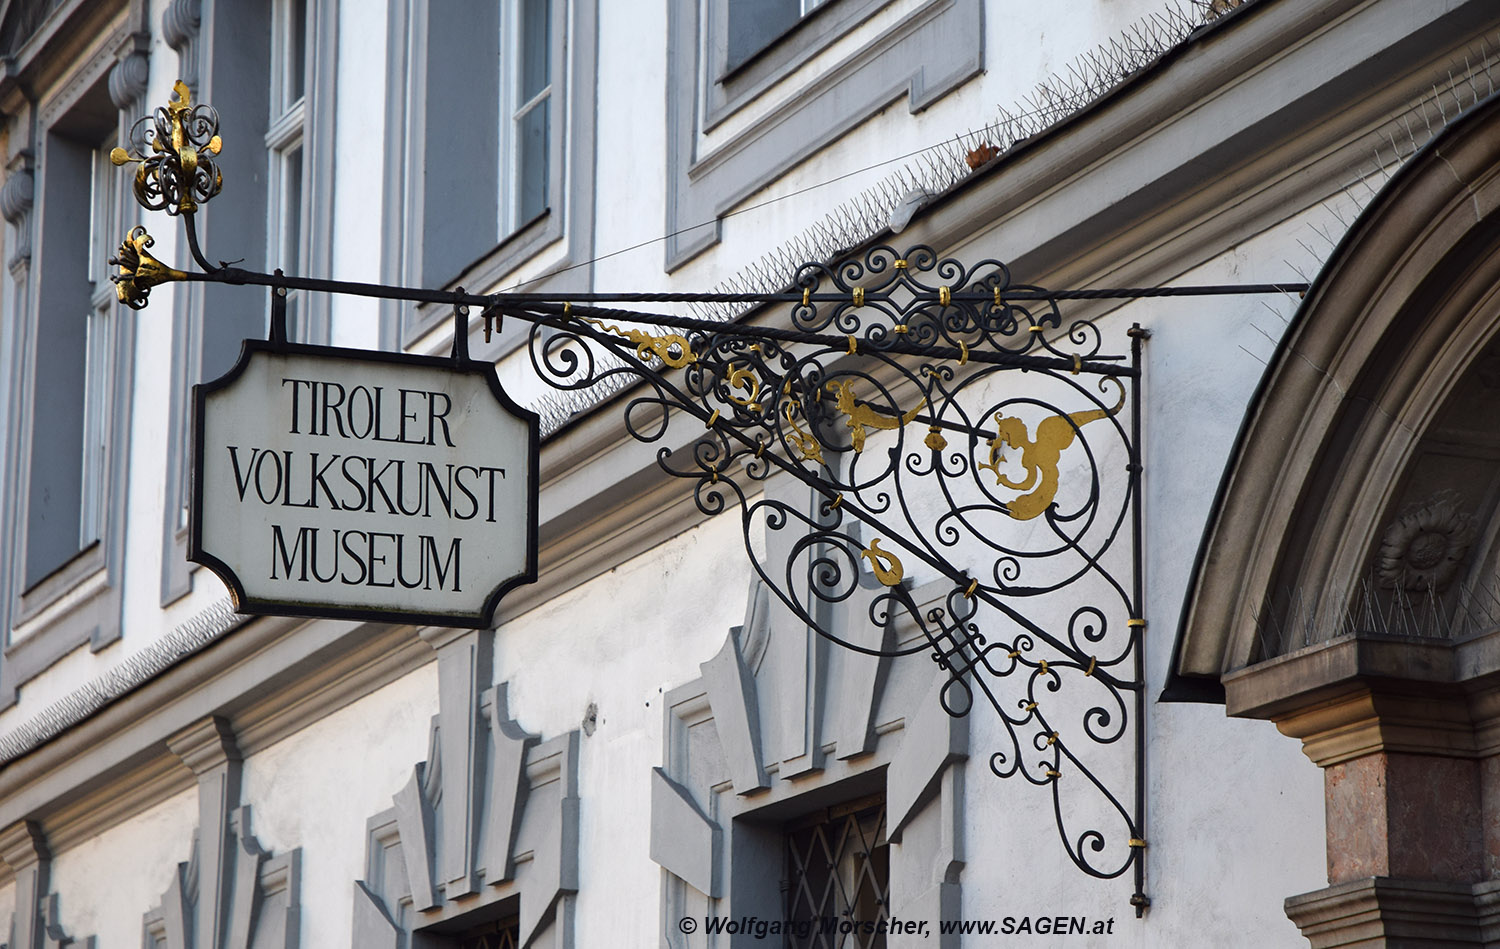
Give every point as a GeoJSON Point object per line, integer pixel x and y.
{"type": "Point", "coordinates": [363, 485]}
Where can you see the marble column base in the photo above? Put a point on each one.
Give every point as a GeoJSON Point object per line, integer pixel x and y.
{"type": "Point", "coordinates": [1389, 913]}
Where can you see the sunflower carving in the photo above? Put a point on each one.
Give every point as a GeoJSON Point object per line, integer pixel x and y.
{"type": "Point", "coordinates": [1424, 547]}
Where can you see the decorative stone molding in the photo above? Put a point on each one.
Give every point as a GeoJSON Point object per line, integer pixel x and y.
{"type": "Point", "coordinates": [488, 822]}
{"type": "Point", "coordinates": [179, 27]}
{"type": "Point", "coordinates": [1348, 404]}
{"type": "Point", "coordinates": [1424, 547]}
{"type": "Point", "coordinates": [36, 922]}
{"type": "Point", "coordinates": [17, 196]}
{"type": "Point", "coordinates": [1385, 912]}
{"type": "Point", "coordinates": [24, 850]}
{"type": "Point", "coordinates": [127, 80]}
{"type": "Point", "coordinates": [231, 894]}
{"type": "Point", "coordinates": [732, 774]}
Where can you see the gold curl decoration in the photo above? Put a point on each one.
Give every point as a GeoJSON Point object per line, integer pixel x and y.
{"type": "Point", "coordinates": [139, 271]}
{"type": "Point", "coordinates": [671, 348]}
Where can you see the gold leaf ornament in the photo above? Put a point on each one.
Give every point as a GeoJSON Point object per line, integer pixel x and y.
{"type": "Point", "coordinates": [863, 417]}
{"type": "Point", "coordinates": [885, 565]}
{"type": "Point", "coordinates": [139, 271]}
{"type": "Point", "coordinates": [671, 348]}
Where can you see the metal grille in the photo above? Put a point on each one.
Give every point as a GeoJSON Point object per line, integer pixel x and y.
{"type": "Point", "coordinates": [838, 878]}
{"type": "Point", "coordinates": [506, 934]}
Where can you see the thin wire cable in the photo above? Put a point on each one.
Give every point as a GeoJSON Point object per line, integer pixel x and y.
{"type": "Point", "coordinates": [728, 214]}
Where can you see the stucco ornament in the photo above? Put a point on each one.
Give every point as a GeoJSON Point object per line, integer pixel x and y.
{"type": "Point", "coordinates": [1425, 546]}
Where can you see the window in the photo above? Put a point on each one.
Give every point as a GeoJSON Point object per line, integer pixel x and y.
{"type": "Point", "coordinates": [529, 118]}
{"type": "Point", "coordinates": [866, 829]}
{"type": "Point", "coordinates": [502, 934]}
{"type": "Point", "coordinates": [756, 24]}
{"type": "Point", "coordinates": [269, 67]}
{"type": "Point", "coordinates": [285, 135]}
{"type": "Point", "coordinates": [723, 55]}
{"type": "Point", "coordinates": [527, 72]}
{"type": "Point", "coordinates": [104, 235]}
{"type": "Point", "coordinates": [75, 301]}
{"type": "Point", "coordinates": [65, 362]}
{"type": "Point", "coordinates": [837, 871]}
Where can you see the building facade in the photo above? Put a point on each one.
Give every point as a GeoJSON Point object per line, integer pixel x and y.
{"type": "Point", "coordinates": [651, 745]}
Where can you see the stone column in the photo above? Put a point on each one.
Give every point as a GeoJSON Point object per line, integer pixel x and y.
{"type": "Point", "coordinates": [1407, 732]}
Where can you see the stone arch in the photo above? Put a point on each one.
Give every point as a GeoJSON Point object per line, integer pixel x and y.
{"type": "Point", "coordinates": [1403, 309]}
{"type": "Point", "coordinates": [1355, 530]}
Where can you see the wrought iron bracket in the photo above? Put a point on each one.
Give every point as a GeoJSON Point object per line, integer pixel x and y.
{"type": "Point", "coordinates": [951, 424]}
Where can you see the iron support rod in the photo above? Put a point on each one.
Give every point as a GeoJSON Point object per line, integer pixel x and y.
{"type": "Point", "coordinates": [237, 275]}
{"type": "Point", "coordinates": [1139, 899]}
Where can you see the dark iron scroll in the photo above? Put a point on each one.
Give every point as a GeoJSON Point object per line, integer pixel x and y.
{"type": "Point", "coordinates": [1012, 479]}
{"type": "Point", "coordinates": [955, 428]}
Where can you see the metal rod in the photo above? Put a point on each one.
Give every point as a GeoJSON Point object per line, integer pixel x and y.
{"type": "Point", "coordinates": [236, 275]}
{"type": "Point", "coordinates": [1139, 899]}
{"type": "Point", "coordinates": [190, 226]}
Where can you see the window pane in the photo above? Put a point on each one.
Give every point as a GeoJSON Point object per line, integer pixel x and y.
{"type": "Point", "coordinates": [756, 24]}
{"type": "Point", "coordinates": [536, 49]}
{"type": "Point", "coordinates": [532, 133]}
{"type": "Point", "coordinates": [95, 429]}
{"type": "Point", "coordinates": [291, 216]}
{"type": "Point", "coordinates": [296, 50]}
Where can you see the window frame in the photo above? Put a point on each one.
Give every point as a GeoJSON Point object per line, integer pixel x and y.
{"type": "Point", "coordinates": [514, 55]}
{"type": "Point", "coordinates": [720, 814]}
{"type": "Point", "coordinates": [286, 140]}
{"type": "Point", "coordinates": [78, 601]}
{"type": "Point", "coordinates": [227, 62]}
{"type": "Point", "coordinates": [723, 69]}
{"type": "Point", "coordinates": [458, 229]}
{"type": "Point", "coordinates": [931, 51]}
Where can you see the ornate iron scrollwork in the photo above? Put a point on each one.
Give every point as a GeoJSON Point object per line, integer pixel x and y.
{"type": "Point", "coordinates": [894, 396]}
{"type": "Point", "coordinates": [1018, 496]}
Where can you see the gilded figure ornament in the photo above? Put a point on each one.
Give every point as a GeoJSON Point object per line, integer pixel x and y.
{"type": "Point", "coordinates": [864, 417]}
{"type": "Point", "coordinates": [1040, 456]}
{"type": "Point", "coordinates": [139, 271]}
{"type": "Point", "coordinates": [671, 348]}
{"type": "Point", "coordinates": [800, 438]}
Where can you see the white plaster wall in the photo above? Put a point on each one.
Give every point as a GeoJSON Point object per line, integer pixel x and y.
{"type": "Point", "coordinates": [358, 175]}
{"type": "Point", "coordinates": [317, 788]}
{"type": "Point", "coordinates": [1235, 811]}
{"type": "Point", "coordinates": [106, 884]}
{"type": "Point", "coordinates": [621, 641]}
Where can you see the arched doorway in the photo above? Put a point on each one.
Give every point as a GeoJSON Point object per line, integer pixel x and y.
{"type": "Point", "coordinates": [1348, 584]}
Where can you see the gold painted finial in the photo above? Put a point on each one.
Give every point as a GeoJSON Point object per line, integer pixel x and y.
{"type": "Point", "coordinates": [139, 271]}
{"type": "Point", "coordinates": [178, 172]}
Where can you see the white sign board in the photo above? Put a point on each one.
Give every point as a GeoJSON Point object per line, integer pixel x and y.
{"type": "Point", "coordinates": [364, 485]}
